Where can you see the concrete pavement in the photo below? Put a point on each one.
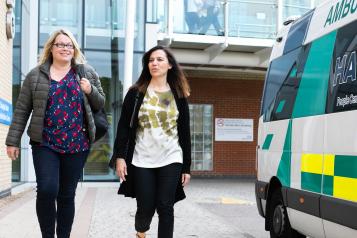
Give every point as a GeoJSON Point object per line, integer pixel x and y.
{"type": "Point", "coordinates": [214, 208]}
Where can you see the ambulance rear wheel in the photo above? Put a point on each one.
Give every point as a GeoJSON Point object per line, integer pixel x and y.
{"type": "Point", "coordinates": [280, 225]}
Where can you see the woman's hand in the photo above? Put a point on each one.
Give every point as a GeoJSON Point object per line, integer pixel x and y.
{"type": "Point", "coordinates": [13, 152]}
{"type": "Point", "coordinates": [86, 86]}
{"type": "Point", "coordinates": [185, 179]}
{"type": "Point", "coordinates": [121, 169]}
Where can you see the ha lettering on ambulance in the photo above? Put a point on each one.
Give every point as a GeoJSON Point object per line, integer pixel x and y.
{"type": "Point", "coordinates": [307, 135]}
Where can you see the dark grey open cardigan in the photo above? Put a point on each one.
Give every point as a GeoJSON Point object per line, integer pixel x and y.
{"type": "Point", "coordinates": [124, 144]}
{"type": "Point", "coordinates": [33, 99]}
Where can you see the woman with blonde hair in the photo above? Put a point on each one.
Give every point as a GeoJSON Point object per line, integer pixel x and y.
{"type": "Point", "coordinates": [61, 128]}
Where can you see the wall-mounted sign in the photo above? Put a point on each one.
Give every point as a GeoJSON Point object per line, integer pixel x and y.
{"type": "Point", "coordinates": [231, 129]}
{"type": "Point", "coordinates": [5, 112]}
{"type": "Point", "coordinates": [10, 3]}
{"type": "Point", "coordinates": [10, 24]}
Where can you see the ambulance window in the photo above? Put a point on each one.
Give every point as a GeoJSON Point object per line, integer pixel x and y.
{"type": "Point", "coordinates": [297, 33]}
{"type": "Point", "coordinates": [342, 94]}
{"type": "Point", "coordinates": [285, 99]}
{"type": "Point", "coordinates": [279, 71]}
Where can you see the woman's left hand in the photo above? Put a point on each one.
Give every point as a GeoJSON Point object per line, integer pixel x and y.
{"type": "Point", "coordinates": [86, 86]}
{"type": "Point", "coordinates": [185, 179]}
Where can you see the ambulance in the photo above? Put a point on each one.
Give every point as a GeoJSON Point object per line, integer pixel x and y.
{"type": "Point", "coordinates": [307, 135]}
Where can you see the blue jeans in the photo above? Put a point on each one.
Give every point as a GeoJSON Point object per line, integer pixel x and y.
{"type": "Point", "coordinates": [57, 176]}
{"type": "Point", "coordinates": [155, 189]}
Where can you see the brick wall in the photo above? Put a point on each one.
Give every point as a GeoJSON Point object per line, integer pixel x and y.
{"type": "Point", "coordinates": [237, 97]}
{"type": "Point", "coordinates": [6, 94]}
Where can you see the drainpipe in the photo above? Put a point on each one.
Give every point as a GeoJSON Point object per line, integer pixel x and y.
{"type": "Point", "coordinates": [129, 45]}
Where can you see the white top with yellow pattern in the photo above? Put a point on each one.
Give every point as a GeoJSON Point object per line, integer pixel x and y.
{"type": "Point", "coordinates": [157, 137]}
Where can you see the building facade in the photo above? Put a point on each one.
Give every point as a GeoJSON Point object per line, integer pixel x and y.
{"type": "Point", "coordinates": [225, 67]}
{"type": "Point", "coordinates": [6, 35]}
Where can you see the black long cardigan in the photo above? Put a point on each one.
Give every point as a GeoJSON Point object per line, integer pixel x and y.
{"type": "Point", "coordinates": [126, 134]}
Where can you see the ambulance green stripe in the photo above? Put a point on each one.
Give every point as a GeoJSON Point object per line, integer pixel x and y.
{"type": "Point", "coordinates": [346, 166]}
{"type": "Point", "coordinates": [280, 106]}
{"type": "Point", "coordinates": [267, 142]}
{"type": "Point", "coordinates": [284, 170]}
{"type": "Point", "coordinates": [327, 187]}
{"type": "Point", "coordinates": [311, 182]}
{"type": "Point", "coordinates": [311, 96]}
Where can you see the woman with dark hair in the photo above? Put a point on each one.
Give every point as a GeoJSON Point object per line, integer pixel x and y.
{"type": "Point", "coordinates": [152, 150]}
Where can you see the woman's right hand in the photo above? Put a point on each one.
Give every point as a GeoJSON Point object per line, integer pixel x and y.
{"type": "Point", "coordinates": [13, 152]}
{"type": "Point", "coordinates": [121, 169]}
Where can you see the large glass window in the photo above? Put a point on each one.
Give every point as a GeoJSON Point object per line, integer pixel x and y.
{"type": "Point", "coordinates": [110, 68]}
{"type": "Point", "coordinates": [102, 41]}
{"type": "Point", "coordinates": [16, 79]}
{"type": "Point", "coordinates": [162, 14]}
{"type": "Point", "coordinates": [295, 8]}
{"type": "Point", "coordinates": [55, 14]}
{"type": "Point", "coordinates": [105, 25]}
{"type": "Point", "coordinates": [151, 11]}
{"type": "Point", "coordinates": [252, 18]}
{"type": "Point", "coordinates": [206, 18]}
{"type": "Point", "coordinates": [107, 67]}
{"type": "Point", "coordinates": [201, 136]}
{"type": "Point", "coordinates": [318, 2]}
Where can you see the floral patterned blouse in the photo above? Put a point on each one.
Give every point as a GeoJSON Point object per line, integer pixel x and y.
{"type": "Point", "coordinates": [64, 119]}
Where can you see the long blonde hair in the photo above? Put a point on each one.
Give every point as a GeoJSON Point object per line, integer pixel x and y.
{"type": "Point", "coordinates": [78, 57]}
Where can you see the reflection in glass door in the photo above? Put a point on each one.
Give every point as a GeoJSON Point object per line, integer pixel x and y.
{"type": "Point", "coordinates": [107, 66]}
{"type": "Point", "coordinates": [99, 27]}
{"type": "Point", "coordinates": [101, 44]}
{"type": "Point", "coordinates": [16, 81]}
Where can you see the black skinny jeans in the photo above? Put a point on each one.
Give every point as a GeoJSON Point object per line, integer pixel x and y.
{"type": "Point", "coordinates": [57, 176]}
{"type": "Point", "coordinates": [155, 190]}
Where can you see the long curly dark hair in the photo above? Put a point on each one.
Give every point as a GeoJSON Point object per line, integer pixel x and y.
{"type": "Point", "coordinates": [175, 76]}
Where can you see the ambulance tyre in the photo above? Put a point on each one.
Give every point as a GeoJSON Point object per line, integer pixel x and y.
{"type": "Point", "coordinates": [280, 225]}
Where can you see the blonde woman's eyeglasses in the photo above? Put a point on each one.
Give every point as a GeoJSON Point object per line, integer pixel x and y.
{"type": "Point", "coordinates": [62, 46]}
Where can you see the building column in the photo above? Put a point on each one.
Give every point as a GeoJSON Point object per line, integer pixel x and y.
{"type": "Point", "coordinates": [29, 54]}
{"type": "Point", "coordinates": [129, 45]}
{"type": "Point", "coordinates": [280, 19]}
{"type": "Point", "coordinates": [5, 99]}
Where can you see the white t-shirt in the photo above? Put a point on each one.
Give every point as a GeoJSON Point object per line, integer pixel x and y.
{"type": "Point", "coordinates": [157, 138]}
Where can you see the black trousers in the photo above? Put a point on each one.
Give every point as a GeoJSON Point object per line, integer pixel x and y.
{"type": "Point", "coordinates": [57, 176]}
{"type": "Point", "coordinates": [155, 190]}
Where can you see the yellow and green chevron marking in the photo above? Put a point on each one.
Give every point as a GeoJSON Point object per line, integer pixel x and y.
{"type": "Point", "coordinates": [335, 175]}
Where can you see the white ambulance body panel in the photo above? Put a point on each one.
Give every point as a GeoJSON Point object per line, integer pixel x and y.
{"type": "Point", "coordinates": [307, 138]}
{"type": "Point", "coordinates": [269, 162]}
{"type": "Point", "coordinates": [341, 133]}
{"type": "Point", "coordinates": [311, 225]}
{"type": "Point", "coordinates": [334, 230]}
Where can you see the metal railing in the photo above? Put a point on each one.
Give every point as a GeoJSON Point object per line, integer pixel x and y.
{"type": "Point", "coordinates": [237, 18]}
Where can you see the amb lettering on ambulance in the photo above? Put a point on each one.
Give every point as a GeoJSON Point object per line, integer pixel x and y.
{"type": "Point", "coordinates": [307, 134]}
{"type": "Point", "coordinates": [340, 10]}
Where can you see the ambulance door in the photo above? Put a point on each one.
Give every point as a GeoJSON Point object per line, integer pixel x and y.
{"type": "Point", "coordinates": [339, 200]}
